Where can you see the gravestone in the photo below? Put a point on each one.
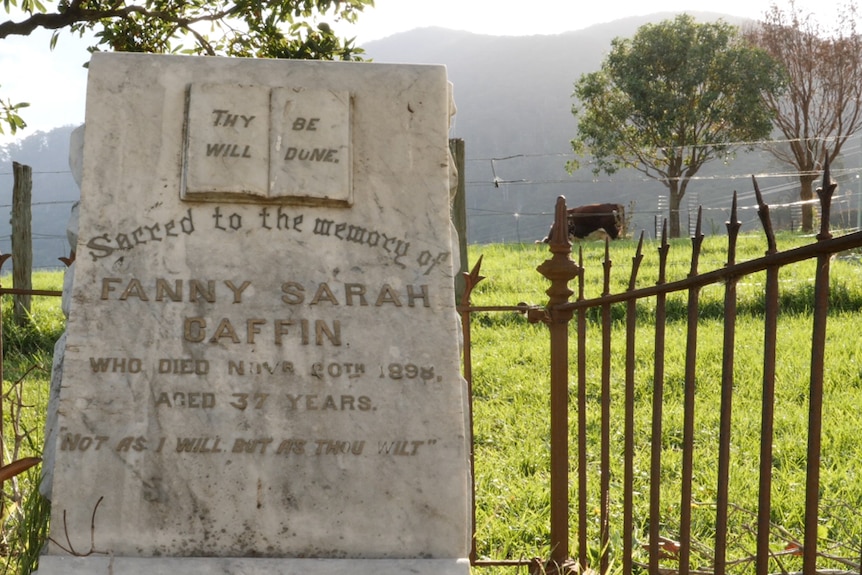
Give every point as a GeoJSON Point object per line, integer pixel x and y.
{"type": "Point", "coordinates": [261, 372]}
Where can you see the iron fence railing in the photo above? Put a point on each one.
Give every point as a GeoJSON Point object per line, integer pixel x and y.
{"type": "Point", "coordinates": [559, 313]}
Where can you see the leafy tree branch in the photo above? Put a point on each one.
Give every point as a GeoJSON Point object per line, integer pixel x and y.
{"type": "Point", "coordinates": [296, 29]}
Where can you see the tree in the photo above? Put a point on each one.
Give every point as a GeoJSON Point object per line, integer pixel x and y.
{"type": "Point", "coordinates": [246, 28]}
{"type": "Point", "coordinates": [673, 97]}
{"type": "Point", "coordinates": [822, 106]}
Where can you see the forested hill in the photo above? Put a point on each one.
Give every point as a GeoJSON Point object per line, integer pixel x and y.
{"type": "Point", "coordinates": [513, 98]}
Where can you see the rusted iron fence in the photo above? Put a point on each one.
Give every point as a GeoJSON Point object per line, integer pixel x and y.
{"type": "Point", "coordinates": [559, 313]}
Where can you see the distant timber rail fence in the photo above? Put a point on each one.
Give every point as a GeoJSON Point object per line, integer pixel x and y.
{"type": "Point", "coordinates": [560, 312]}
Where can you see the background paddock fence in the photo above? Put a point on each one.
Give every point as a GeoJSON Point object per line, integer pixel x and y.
{"type": "Point", "coordinates": [563, 313]}
{"type": "Point", "coordinates": [647, 215]}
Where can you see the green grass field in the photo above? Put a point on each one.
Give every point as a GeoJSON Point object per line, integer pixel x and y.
{"type": "Point", "coordinates": [27, 357]}
{"type": "Point", "coordinates": [511, 385]}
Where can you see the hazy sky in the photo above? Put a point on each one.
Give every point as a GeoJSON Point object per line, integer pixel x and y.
{"type": "Point", "coordinates": [54, 83]}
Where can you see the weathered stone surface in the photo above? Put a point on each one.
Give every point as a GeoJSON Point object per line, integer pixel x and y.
{"type": "Point", "coordinates": [76, 165]}
{"type": "Point", "coordinates": [232, 566]}
{"type": "Point", "coordinates": [262, 370]}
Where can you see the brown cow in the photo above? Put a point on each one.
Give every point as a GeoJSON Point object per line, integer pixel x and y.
{"type": "Point", "coordinates": [604, 219]}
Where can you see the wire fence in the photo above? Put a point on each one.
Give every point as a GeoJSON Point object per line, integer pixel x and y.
{"type": "Point", "coordinates": [510, 199]}
{"type": "Point", "coordinates": [48, 235]}
{"type": "Point", "coordinates": [507, 204]}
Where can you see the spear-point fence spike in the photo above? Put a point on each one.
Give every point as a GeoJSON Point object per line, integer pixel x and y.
{"type": "Point", "coordinates": [581, 275]}
{"type": "Point", "coordinates": [636, 262]}
{"type": "Point", "coordinates": [696, 243]}
{"type": "Point", "coordinates": [765, 220]}
{"type": "Point", "coordinates": [470, 281]}
{"type": "Point", "coordinates": [698, 228]}
{"type": "Point", "coordinates": [824, 192]}
{"type": "Point", "coordinates": [606, 290]}
{"type": "Point", "coordinates": [733, 226]}
{"type": "Point", "coordinates": [662, 250]}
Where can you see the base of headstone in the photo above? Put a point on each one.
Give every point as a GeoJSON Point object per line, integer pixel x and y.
{"type": "Point", "coordinates": [68, 565]}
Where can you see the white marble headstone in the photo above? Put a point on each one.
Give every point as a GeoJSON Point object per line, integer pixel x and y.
{"type": "Point", "coordinates": [262, 364]}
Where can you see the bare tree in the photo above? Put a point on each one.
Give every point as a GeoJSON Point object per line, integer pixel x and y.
{"type": "Point", "coordinates": [822, 104]}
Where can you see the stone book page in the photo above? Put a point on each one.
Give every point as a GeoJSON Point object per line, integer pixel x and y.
{"type": "Point", "coordinates": [262, 352]}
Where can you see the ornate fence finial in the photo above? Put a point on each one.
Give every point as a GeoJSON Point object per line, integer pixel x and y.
{"type": "Point", "coordinates": [559, 238]}
{"type": "Point", "coordinates": [560, 269]}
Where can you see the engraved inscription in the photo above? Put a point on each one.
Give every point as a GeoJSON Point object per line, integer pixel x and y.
{"type": "Point", "coordinates": [273, 220]}
{"type": "Point", "coordinates": [310, 161]}
{"type": "Point", "coordinates": [247, 143]}
{"type": "Point", "coordinates": [263, 446]}
{"type": "Point", "coordinates": [250, 330]}
{"type": "Point", "coordinates": [193, 399]}
{"type": "Point", "coordinates": [227, 141]}
{"type": "Point", "coordinates": [287, 387]}
{"type": "Point", "coordinates": [104, 245]}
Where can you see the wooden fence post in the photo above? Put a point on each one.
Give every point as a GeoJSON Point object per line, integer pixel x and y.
{"type": "Point", "coordinates": [22, 245]}
{"type": "Point", "coordinates": [459, 215]}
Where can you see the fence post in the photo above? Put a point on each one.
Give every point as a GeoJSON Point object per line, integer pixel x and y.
{"type": "Point", "coordinates": [815, 394]}
{"type": "Point", "coordinates": [459, 215]}
{"type": "Point", "coordinates": [22, 246]}
{"type": "Point", "coordinates": [3, 258]}
{"type": "Point", "coordinates": [560, 269]}
{"type": "Point", "coordinates": [469, 281]}
{"type": "Point", "coordinates": [767, 417]}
